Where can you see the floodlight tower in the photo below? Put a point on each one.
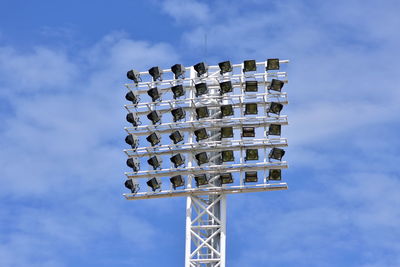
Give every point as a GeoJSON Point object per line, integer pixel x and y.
{"type": "Point", "coordinates": [220, 126]}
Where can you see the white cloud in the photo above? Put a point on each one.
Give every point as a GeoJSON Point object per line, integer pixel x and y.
{"type": "Point", "coordinates": [186, 12]}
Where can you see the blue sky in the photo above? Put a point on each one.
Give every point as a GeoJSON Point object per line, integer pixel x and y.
{"type": "Point", "coordinates": [62, 70]}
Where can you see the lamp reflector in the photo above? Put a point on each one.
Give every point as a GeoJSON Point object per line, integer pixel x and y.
{"type": "Point", "coordinates": [226, 110]}
{"type": "Point", "coordinates": [134, 75]}
{"type": "Point", "coordinates": [132, 141]}
{"type": "Point", "coordinates": [131, 186]}
{"type": "Point", "coordinates": [250, 109]}
{"type": "Point", "coordinates": [201, 134]}
{"type": "Point", "coordinates": [178, 114]}
{"type": "Point", "coordinates": [178, 70]}
{"type": "Point", "coordinates": [250, 177]}
{"type": "Point", "coordinates": [154, 116]}
{"type": "Point", "coordinates": [225, 67]}
{"type": "Point", "coordinates": [155, 72]}
{"type": "Point", "coordinates": [154, 139]}
{"type": "Point", "coordinates": [201, 68]}
{"type": "Point", "coordinates": [249, 65]}
{"type": "Point", "coordinates": [227, 155]}
{"type": "Point", "coordinates": [177, 181]}
{"type": "Point", "coordinates": [276, 153]}
{"type": "Point", "coordinates": [226, 178]}
{"type": "Point", "coordinates": [201, 89]}
{"type": "Point", "coordinates": [202, 112]}
{"type": "Point", "coordinates": [131, 96]}
{"type": "Point", "coordinates": [248, 132]}
{"type": "Point", "coordinates": [178, 160]}
{"type": "Point", "coordinates": [276, 85]}
{"type": "Point", "coordinates": [226, 132]}
{"type": "Point", "coordinates": [251, 154]}
{"type": "Point", "coordinates": [275, 175]}
{"type": "Point", "coordinates": [154, 184]}
{"type": "Point", "coordinates": [251, 86]}
{"type": "Point", "coordinates": [202, 158]}
{"type": "Point", "coordinates": [133, 163]}
{"type": "Point", "coordinates": [130, 117]}
{"type": "Point", "coordinates": [201, 179]}
{"type": "Point", "coordinates": [273, 64]}
{"type": "Point", "coordinates": [178, 91]}
{"type": "Point", "coordinates": [154, 94]}
{"type": "Point", "coordinates": [275, 108]}
{"type": "Point", "coordinates": [176, 137]}
{"type": "Point", "coordinates": [155, 162]}
{"type": "Point", "coordinates": [225, 87]}
{"type": "Point", "coordinates": [274, 129]}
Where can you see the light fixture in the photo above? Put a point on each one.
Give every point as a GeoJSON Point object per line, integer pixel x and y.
{"type": "Point", "coordinates": [178, 114]}
{"type": "Point", "coordinates": [155, 162]}
{"type": "Point", "coordinates": [248, 132]}
{"type": "Point", "coordinates": [274, 129]}
{"type": "Point", "coordinates": [201, 179]}
{"type": "Point", "coordinates": [132, 118]}
{"type": "Point", "coordinates": [225, 87]}
{"type": "Point", "coordinates": [275, 174]}
{"type": "Point", "coordinates": [272, 64]}
{"type": "Point", "coordinates": [132, 140]}
{"type": "Point", "coordinates": [250, 109]}
{"type": "Point", "coordinates": [202, 112]}
{"type": "Point", "coordinates": [133, 163]}
{"type": "Point", "coordinates": [154, 184]}
{"type": "Point", "coordinates": [227, 155]}
{"type": "Point", "coordinates": [276, 153]}
{"type": "Point", "coordinates": [226, 178]}
{"type": "Point", "coordinates": [134, 75]}
{"type": "Point", "coordinates": [153, 139]}
{"type": "Point", "coordinates": [251, 86]}
{"type": "Point", "coordinates": [226, 110]}
{"type": "Point", "coordinates": [250, 177]}
{"type": "Point", "coordinates": [131, 96]}
{"type": "Point", "coordinates": [249, 65]}
{"type": "Point", "coordinates": [178, 160]}
{"type": "Point", "coordinates": [156, 73]}
{"type": "Point", "coordinates": [202, 158]}
{"type": "Point", "coordinates": [201, 89]}
{"type": "Point", "coordinates": [225, 67]}
{"type": "Point", "coordinates": [251, 154]}
{"type": "Point", "coordinates": [276, 85]}
{"type": "Point", "coordinates": [201, 68]}
{"type": "Point", "coordinates": [177, 181]}
{"type": "Point", "coordinates": [275, 108]}
{"type": "Point", "coordinates": [154, 94]}
{"type": "Point", "coordinates": [154, 116]}
{"type": "Point", "coordinates": [201, 134]}
{"type": "Point", "coordinates": [226, 132]}
{"type": "Point", "coordinates": [178, 70]}
{"type": "Point", "coordinates": [131, 186]}
{"type": "Point", "coordinates": [176, 137]}
{"type": "Point", "coordinates": [178, 91]}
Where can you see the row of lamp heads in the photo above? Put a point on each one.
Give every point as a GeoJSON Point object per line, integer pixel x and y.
{"type": "Point", "coordinates": [204, 158]}
{"type": "Point", "coordinates": [203, 112]}
{"type": "Point", "coordinates": [203, 179]}
{"type": "Point", "coordinates": [202, 89]}
{"type": "Point", "coordinates": [201, 69]}
{"type": "Point", "coordinates": [201, 134]}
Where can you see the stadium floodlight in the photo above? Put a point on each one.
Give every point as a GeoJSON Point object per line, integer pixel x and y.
{"type": "Point", "coordinates": [201, 89]}
{"type": "Point", "coordinates": [250, 109]}
{"type": "Point", "coordinates": [176, 137]}
{"type": "Point", "coordinates": [156, 73]}
{"type": "Point", "coordinates": [201, 179]}
{"type": "Point", "coordinates": [276, 85]}
{"type": "Point", "coordinates": [250, 177]}
{"type": "Point", "coordinates": [154, 184]}
{"type": "Point", "coordinates": [132, 118]}
{"type": "Point", "coordinates": [215, 117]}
{"type": "Point", "coordinates": [178, 70]}
{"type": "Point", "coordinates": [227, 155]}
{"type": "Point", "coordinates": [178, 160]}
{"type": "Point", "coordinates": [133, 163]}
{"type": "Point", "coordinates": [201, 68]}
{"type": "Point", "coordinates": [225, 67]}
{"type": "Point", "coordinates": [226, 178]}
{"type": "Point", "coordinates": [251, 154]}
{"type": "Point", "coordinates": [275, 108]}
{"type": "Point", "coordinates": [248, 132]}
{"type": "Point", "coordinates": [201, 134]}
{"type": "Point", "coordinates": [251, 86]}
{"type": "Point", "coordinates": [134, 75]}
{"type": "Point", "coordinates": [226, 110]}
{"type": "Point", "coordinates": [178, 91]}
{"type": "Point", "coordinates": [225, 87]}
{"type": "Point", "coordinates": [275, 175]}
{"type": "Point", "coordinates": [178, 114]}
{"type": "Point", "coordinates": [154, 116]}
{"type": "Point", "coordinates": [132, 140]}
{"type": "Point", "coordinates": [274, 129]}
{"type": "Point", "coordinates": [154, 94]}
{"type": "Point", "coordinates": [202, 112]}
{"type": "Point", "coordinates": [276, 153]}
{"type": "Point", "coordinates": [202, 158]}
{"type": "Point", "coordinates": [131, 96]}
{"type": "Point", "coordinates": [154, 139]}
{"type": "Point", "coordinates": [155, 162]}
{"type": "Point", "coordinates": [249, 65]}
{"type": "Point", "coordinates": [131, 186]}
{"type": "Point", "coordinates": [177, 181]}
{"type": "Point", "coordinates": [226, 132]}
{"type": "Point", "coordinates": [272, 64]}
